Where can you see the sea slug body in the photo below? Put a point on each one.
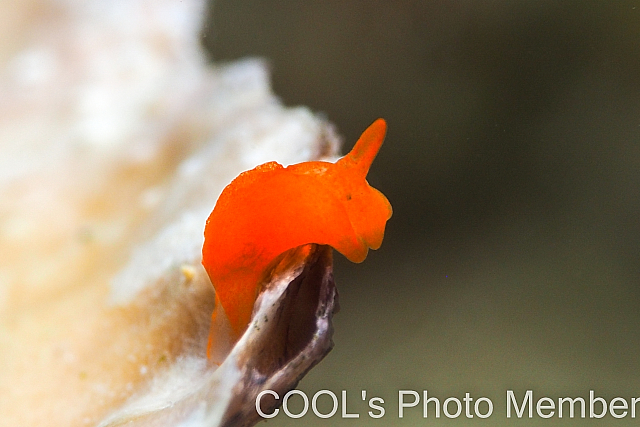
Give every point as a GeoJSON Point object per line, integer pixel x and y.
{"type": "Point", "coordinates": [271, 209]}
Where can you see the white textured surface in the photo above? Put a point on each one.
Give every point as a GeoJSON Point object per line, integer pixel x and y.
{"type": "Point", "coordinates": [116, 138]}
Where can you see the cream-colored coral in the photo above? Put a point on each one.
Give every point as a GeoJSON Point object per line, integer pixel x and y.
{"type": "Point", "coordinates": [116, 137]}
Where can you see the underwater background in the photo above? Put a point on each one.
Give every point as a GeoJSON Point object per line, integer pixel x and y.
{"type": "Point", "coordinates": [512, 161]}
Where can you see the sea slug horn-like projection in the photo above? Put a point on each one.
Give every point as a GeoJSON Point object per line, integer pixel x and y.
{"type": "Point", "coordinates": [366, 149]}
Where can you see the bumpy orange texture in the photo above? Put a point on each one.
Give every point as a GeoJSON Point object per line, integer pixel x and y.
{"type": "Point", "coordinates": [271, 209]}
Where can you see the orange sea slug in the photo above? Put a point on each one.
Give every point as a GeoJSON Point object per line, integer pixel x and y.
{"type": "Point", "coordinates": [271, 209]}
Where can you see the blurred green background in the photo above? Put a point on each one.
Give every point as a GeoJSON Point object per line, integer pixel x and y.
{"type": "Point", "coordinates": [512, 162]}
